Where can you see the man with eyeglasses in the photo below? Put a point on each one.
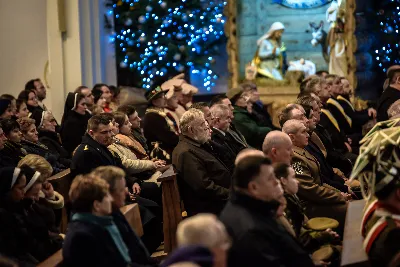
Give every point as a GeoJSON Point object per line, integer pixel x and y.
{"type": "Point", "coordinates": [204, 180]}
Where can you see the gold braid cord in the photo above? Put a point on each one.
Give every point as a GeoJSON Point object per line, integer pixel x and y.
{"type": "Point", "coordinates": [383, 137]}
{"type": "Point", "coordinates": [230, 13]}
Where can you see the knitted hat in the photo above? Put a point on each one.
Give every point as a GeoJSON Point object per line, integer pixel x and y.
{"type": "Point", "coordinates": [4, 104]}
{"type": "Point", "coordinates": [9, 177]}
{"type": "Point", "coordinates": [31, 175]}
{"type": "Point", "coordinates": [38, 116]}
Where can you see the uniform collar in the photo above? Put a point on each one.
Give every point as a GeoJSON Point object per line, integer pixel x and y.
{"type": "Point", "coordinates": [266, 208]}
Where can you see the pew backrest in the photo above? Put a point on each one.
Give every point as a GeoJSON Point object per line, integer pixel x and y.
{"type": "Point", "coordinates": [62, 183]}
{"type": "Point", "coordinates": [132, 215]}
{"type": "Point", "coordinates": [353, 253]}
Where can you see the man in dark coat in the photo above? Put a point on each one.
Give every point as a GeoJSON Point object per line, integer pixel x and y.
{"type": "Point", "coordinates": [158, 128]}
{"type": "Point", "coordinates": [203, 179]}
{"type": "Point", "coordinates": [250, 218]}
{"type": "Point", "coordinates": [390, 94]}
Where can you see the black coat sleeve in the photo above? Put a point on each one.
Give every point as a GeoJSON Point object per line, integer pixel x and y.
{"type": "Point", "coordinates": [156, 128]}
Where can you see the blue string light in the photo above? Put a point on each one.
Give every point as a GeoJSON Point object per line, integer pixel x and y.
{"type": "Point", "coordinates": [188, 31]}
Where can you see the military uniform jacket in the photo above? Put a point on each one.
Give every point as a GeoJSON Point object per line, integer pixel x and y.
{"type": "Point", "coordinates": [381, 231]}
{"type": "Point", "coordinates": [311, 188]}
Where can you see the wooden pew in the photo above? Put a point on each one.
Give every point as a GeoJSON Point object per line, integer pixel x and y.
{"type": "Point", "coordinates": [61, 183]}
{"type": "Point", "coordinates": [132, 215]}
{"type": "Point", "coordinates": [353, 254]}
{"type": "Point", "coordinates": [172, 212]}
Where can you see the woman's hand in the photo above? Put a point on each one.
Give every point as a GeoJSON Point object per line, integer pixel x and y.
{"type": "Point", "coordinates": [159, 164]}
{"type": "Point", "coordinates": [48, 190]}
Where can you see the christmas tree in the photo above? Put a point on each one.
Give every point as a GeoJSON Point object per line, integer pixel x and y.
{"type": "Point", "coordinates": [389, 19]}
{"type": "Point", "coordinates": [162, 38]}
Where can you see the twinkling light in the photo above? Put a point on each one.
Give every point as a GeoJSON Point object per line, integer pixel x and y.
{"type": "Point", "coordinates": [183, 35]}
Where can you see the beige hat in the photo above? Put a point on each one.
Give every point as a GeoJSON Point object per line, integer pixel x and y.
{"type": "Point", "coordinates": [188, 88]}
{"type": "Point", "coordinates": [322, 223]}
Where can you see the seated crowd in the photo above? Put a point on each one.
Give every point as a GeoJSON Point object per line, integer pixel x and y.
{"type": "Point", "coordinates": [253, 192]}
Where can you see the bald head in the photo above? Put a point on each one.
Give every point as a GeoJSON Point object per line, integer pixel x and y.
{"type": "Point", "coordinates": [278, 147]}
{"type": "Point", "coordinates": [248, 152]}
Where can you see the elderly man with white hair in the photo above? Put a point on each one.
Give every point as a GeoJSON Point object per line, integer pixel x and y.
{"type": "Point", "coordinates": [203, 179]}
{"type": "Point", "coordinates": [321, 200]}
{"type": "Point", "coordinates": [202, 241]}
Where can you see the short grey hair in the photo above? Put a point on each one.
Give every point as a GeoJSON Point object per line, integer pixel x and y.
{"type": "Point", "coordinates": [292, 126]}
{"type": "Point", "coordinates": [202, 229]}
{"type": "Point", "coordinates": [220, 110]}
{"type": "Point", "coordinates": [188, 118]}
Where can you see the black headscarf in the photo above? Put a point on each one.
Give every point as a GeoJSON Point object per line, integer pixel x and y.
{"type": "Point", "coordinates": [9, 177]}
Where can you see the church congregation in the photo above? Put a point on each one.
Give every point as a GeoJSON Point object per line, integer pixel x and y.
{"type": "Point", "coordinates": [254, 193]}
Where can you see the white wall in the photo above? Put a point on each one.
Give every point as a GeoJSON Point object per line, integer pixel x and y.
{"type": "Point", "coordinates": [23, 43]}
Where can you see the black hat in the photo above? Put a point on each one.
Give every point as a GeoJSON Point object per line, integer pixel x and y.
{"type": "Point", "coordinates": [9, 177]}
{"type": "Point", "coordinates": [154, 93]}
{"type": "Point", "coordinates": [38, 116]}
{"type": "Point", "coordinates": [31, 175]}
{"type": "Point", "coordinates": [4, 104]}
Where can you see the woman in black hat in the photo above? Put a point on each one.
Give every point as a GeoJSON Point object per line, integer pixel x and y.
{"type": "Point", "coordinates": [74, 121]}
{"type": "Point", "coordinates": [159, 130]}
{"type": "Point", "coordinates": [46, 126]}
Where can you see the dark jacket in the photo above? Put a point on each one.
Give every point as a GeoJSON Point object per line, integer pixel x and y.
{"type": "Point", "coordinates": [90, 155]}
{"type": "Point", "coordinates": [53, 143]}
{"type": "Point", "coordinates": [199, 255]}
{"type": "Point", "coordinates": [247, 125]}
{"type": "Point", "coordinates": [388, 97]}
{"type": "Point", "coordinates": [203, 179]}
{"type": "Point", "coordinates": [73, 128]}
{"type": "Point", "coordinates": [258, 239]}
{"type": "Point", "coordinates": [340, 115]}
{"type": "Point", "coordinates": [138, 135]}
{"type": "Point", "coordinates": [88, 244]}
{"type": "Point", "coordinates": [226, 151]}
{"type": "Point", "coordinates": [358, 117]}
{"type": "Point", "coordinates": [11, 154]}
{"type": "Point", "coordinates": [336, 134]}
{"type": "Point", "coordinates": [262, 116]}
{"type": "Point", "coordinates": [137, 250]}
{"type": "Point", "coordinates": [42, 150]}
{"type": "Point", "coordinates": [156, 129]}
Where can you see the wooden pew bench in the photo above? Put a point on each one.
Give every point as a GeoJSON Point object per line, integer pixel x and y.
{"type": "Point", "coordinates": [132, 215]}
{"type": "Point", "coordinates": [61, 183]}
{"type": "Point", "coordinates": [172, 211]}
{"type": "Point", "coordinates": [353, 254]}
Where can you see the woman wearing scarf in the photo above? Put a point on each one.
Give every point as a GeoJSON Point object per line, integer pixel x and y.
{"type": "Point", "coordinates": [12, 152]}
{"type": "Point", "coordinates": [93, 239]}
{"type": "Point", "coordinates": [30, 142]}
{"type": "Point", "coordinates": [74, 121]}
{"type": "Point", "coordinates": [270, 59]}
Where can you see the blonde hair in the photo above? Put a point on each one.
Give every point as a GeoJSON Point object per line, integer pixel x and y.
{"type": "Point", "coordinates": [202, 229]}
{"type": "Point", "coordinates": [189, 117]}
{"type": "Point", "coordinates": [38, 163]}
{"type": "Point", "coordinates": [110, 174]}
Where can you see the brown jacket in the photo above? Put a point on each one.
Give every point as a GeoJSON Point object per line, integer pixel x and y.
{"type": "Point", "coordinates": [311, 188]}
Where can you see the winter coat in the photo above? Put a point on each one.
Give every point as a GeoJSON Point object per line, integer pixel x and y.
{"type": "Point", "coordinates": [11, 154]}
{"type": "Point", "coordinates": [257, 238]}
{"type": "Point", "coordinates": [73, 128]}
{"type": "Point", "coordinates": [247, 125]}
{"type": "Point", "coordinates": [53, 143]}
{"type": "Point", "coordinates": [203, 179]}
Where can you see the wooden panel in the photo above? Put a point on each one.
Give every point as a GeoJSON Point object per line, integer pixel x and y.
{"type": "Point", "coordinates": [172, 212]}
{"type": "Point", "coordinates": [132, 215]}
{"type": "Point", "coordinates": [353, 253]}
{"type": "Point", "coordinates": [295, 23]}
{"type": "Point", "coordinates": [279, 10]}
